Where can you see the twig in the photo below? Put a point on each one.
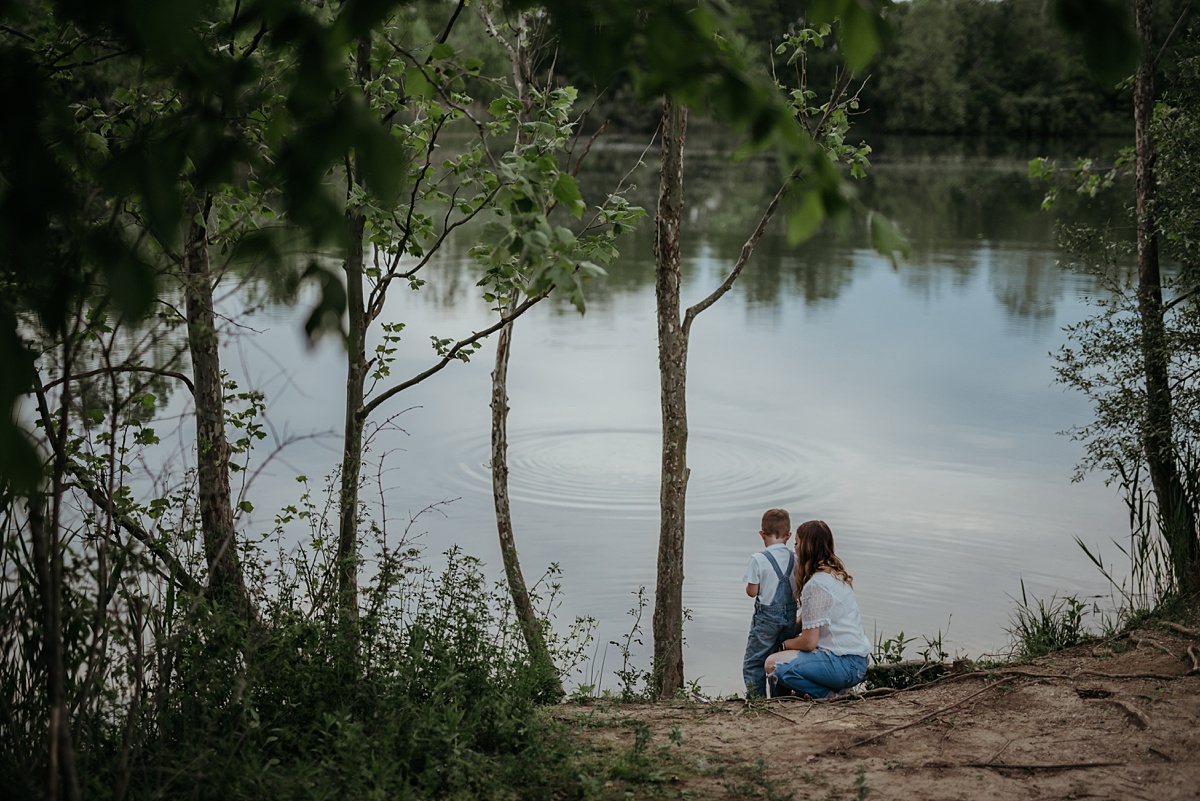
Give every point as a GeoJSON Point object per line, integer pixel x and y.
{"type": "Point", "coordinates": [781, 717]}
{"type": "Point", "coordinates": [924, 718]}
{"type": "Point", "coordinates": [451, 354]}
{"type": "Point", "coordinates": [1137, 716]}
{"type": "Point", "coordinates": [1060, 766]}
{"type": "Point", "coordinates": [588, 148]}
{"type": "Point", "coordinates": [1158, 676]}
{"type": "Point", "coordinates": [20, 34]}
{"type": "Point", "coordinates": [1139, 640]}
{"type": "Point", "coordinates": [125, 368]}
{"type": "Point", "coordinates": [1184, 630]}
{"type": "Point", "coordinates": [1075, 675]}
{"type": "Point", "coordinates": [996, 755]}
{"type": "Point", "coordinates": [743, 257]}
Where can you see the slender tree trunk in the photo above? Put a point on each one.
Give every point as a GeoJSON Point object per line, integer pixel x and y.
{"type": "Point", "coordinates": [62, 779]}
{"type": "Point", "coordinates": [672, 363]}
{"type": "Point", "coordinates": [531, 627]}
{"type": "Point", "coordinates": [226, 583]}
{"type": "Point", "coordinates": [356, 377]}
{"type": "Point", "coordinates": [47, 553]}
{"type": "Point", "coordinates": [1176, 513]}
{"type": "Point", "coordinates": [352, 441]}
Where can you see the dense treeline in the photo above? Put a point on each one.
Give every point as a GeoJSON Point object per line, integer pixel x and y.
{"type": "Point", "coordinates": [963, 67]}
{"type": "Point", "coordinates": [995, 68]}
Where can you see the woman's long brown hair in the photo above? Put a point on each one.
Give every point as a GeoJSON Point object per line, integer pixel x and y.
{"type": "Point", "coordinates": [814, 550]}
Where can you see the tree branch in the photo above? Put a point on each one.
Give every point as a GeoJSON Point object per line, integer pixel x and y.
{"type": "Point", "coordinates": [83, 480]}
{"type": "Point", "coordinates": [127, 369]}
{"type": "Point", "coordinates": [450, 24]}
{"type": "Point", "coordinates": [450, 354]}
{"type": "Point", "coordinates": [747, 250]}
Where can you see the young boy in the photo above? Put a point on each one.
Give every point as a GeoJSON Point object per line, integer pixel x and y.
{"type": "Point", "coordinates": [770, 580]}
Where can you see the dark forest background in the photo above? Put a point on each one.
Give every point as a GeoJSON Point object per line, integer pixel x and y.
{"type": "Point", "coordinates": [951, 67]}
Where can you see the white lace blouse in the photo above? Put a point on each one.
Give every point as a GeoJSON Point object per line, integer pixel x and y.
{"type": "Point", "coordinates": [828, 602]}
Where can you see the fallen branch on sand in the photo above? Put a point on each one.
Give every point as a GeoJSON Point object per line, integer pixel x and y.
{"type": "Point", "coordinates": [1001, 766]}
{"type": "Point", "coordinates": [923, 718]}
{"type": "Point", "coordinates": [1140, 640]}
{"type": "Point", "coordinates": [1076, 674]}
{"type": "Point", "coordinates": [1136, 715]}
{"type": "Point", "coordinates": [1184, 630]}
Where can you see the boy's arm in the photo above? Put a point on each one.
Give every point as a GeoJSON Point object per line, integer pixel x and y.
{"type": "Point", "coordinates": [751, 578]}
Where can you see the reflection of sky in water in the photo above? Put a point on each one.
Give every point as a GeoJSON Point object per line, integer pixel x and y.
{"type": "Point", "coordinates": [912, 409]}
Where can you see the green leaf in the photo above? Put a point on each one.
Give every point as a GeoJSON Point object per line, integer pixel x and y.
{"type": "Point", "coordinates": [383, 160]}
{"type": "Point", "coordinates": [804, 220]}
{"type": "Point", "coordinates": [417, 85]}
{"type": "Point", "coordinates": [860, 38]}
{"type": "Point", "coordinates": [860, 32]}
{"type": "Point", "coordinates": [504, 107]}
{"type": "Point", "coordinates": [441, 51]}
{"type": "Point", "coordinates": [326, 316]}
{"type": "Point", "coordinates": [887, 239]}
{"type": "Point", "coordinates": [566, 191]}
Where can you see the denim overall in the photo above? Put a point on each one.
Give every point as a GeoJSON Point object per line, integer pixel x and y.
{"type": "Point", "coordinates": [772, 624]}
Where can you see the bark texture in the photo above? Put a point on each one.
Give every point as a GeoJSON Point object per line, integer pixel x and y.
{"type": "Point", "coordinates": [531, 627]}
{"type": "Point", "coordinates": [356, 377]}
{"type": "Point", "coordinates": [352, 434]}
{"type": "Point", "coordinates": [226, 582]}
{"type": "Point", "coordinates": [672, 363]}
{"type": "Point", "coordinates": [1176, 513]}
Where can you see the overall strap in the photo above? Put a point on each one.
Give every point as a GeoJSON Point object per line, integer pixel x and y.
{"type": "Point", "coordinates": [771, 561]}
{"type": "Point", "coordinates": [783, 592]}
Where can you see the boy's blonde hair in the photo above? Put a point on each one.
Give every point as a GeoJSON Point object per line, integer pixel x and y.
{"type": "Point", "coordinates": [776, 523]}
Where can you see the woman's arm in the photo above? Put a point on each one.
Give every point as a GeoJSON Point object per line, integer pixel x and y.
{"type": "Point", "coordinates": [807, 641]}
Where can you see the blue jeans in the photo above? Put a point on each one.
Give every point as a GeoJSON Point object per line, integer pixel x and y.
{"type": "Point", "coordinates": [820, 674]}
{"type": "Point", "coordinates": [770, 626]}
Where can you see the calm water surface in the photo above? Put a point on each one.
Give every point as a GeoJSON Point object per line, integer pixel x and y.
{"type": "Point", "coordinates": [913, 408]}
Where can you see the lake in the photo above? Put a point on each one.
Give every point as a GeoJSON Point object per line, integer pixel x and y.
{"type": "Point", "coordinates": [913, 408]}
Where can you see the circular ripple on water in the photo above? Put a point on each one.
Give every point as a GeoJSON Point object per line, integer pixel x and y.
{"type": "Point", "coordinates": [617, 471]}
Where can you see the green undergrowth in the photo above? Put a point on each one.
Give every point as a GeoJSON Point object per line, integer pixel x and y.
{"type": "Point", "coordinates": [438, 700]}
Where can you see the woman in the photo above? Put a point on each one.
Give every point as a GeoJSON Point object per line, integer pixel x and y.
{"type": "Point", "coordinates": [831, 652]}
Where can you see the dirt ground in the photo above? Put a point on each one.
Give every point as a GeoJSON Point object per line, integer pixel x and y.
{"type": "Point", "coordinates": [1119, 719]}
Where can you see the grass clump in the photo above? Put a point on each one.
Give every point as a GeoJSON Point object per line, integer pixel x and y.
{"type": "Point", "coordinates": [889, 666]}
{"type": "Point", "coordinates": [1040, 626]}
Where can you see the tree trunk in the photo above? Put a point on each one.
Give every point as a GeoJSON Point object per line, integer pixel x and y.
{"type": "Point", "coordinates": [49, 565]}
{"type": "Point", "coordinates": [226, 582]}
{"type": "Point", "coordinates": [531, 627]}
{"type": "Point", "coordinates": [47, 553]}
{"type": "Point", "coordinates": [1175, 512]}
{"type": "Point", "coordinates": [672, 363]}
{"type": "Point", "coordinates": [356, 377]}
{"type": "Point", "coordinates": [352, 440]}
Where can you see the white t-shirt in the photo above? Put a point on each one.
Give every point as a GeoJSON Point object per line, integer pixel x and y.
{"type": "Point", "coordinates": [828, 602]}
{"type": "Point", "coordinates": [760, 573]}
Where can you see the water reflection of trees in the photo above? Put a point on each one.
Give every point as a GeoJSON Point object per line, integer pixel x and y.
{"type": "Point", "coordinates": [969, 215]}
